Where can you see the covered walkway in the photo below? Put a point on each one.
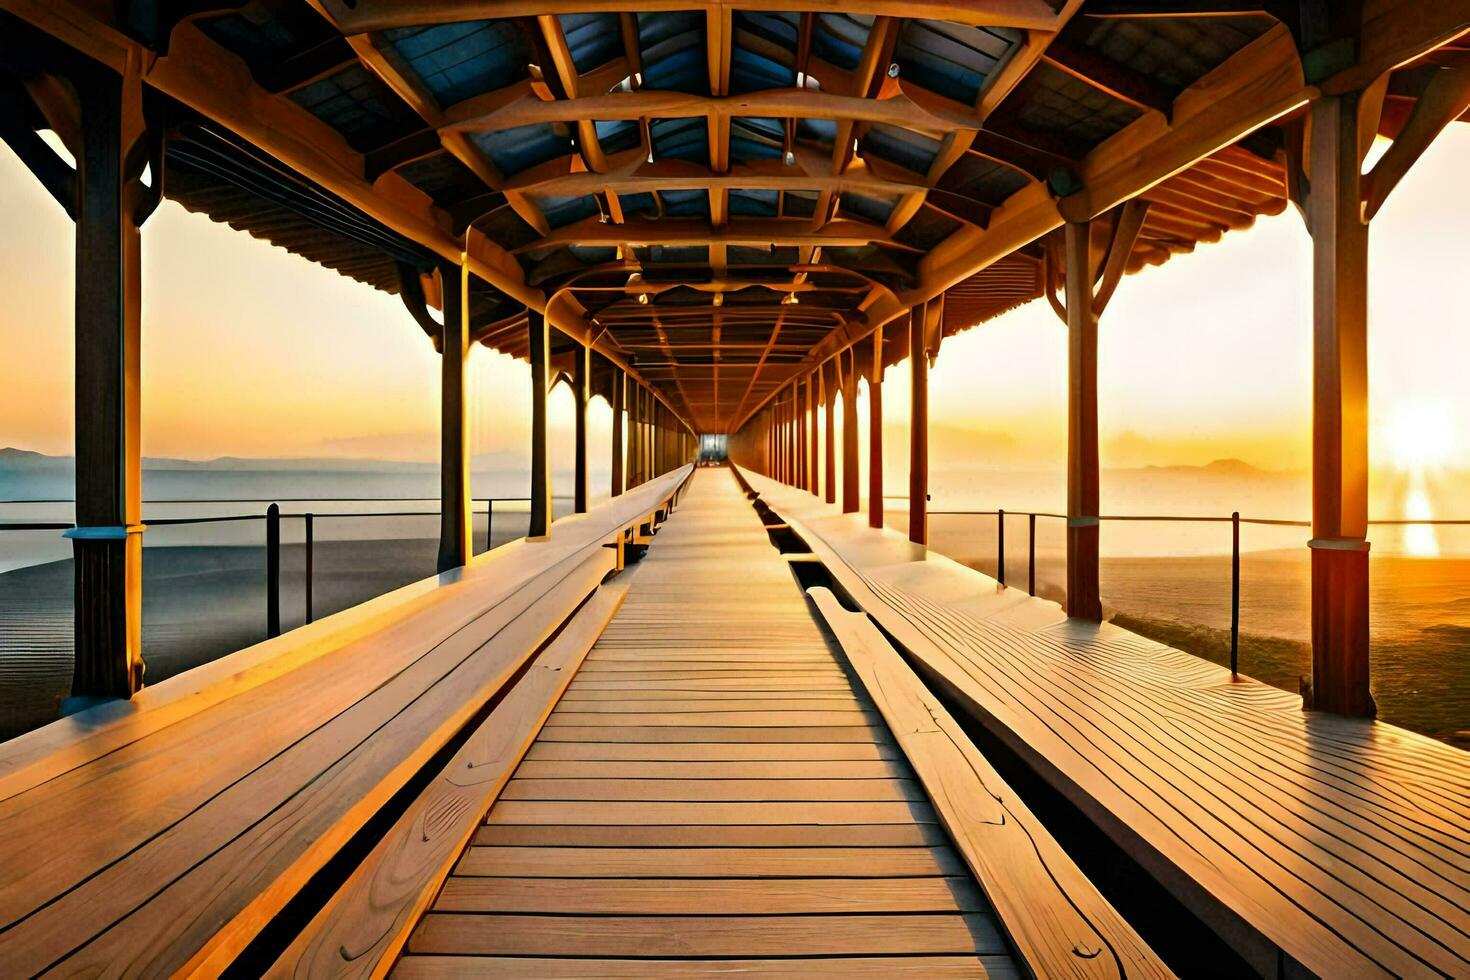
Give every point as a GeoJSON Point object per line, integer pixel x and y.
{"type": "Point", "coordinates": [712, 784]}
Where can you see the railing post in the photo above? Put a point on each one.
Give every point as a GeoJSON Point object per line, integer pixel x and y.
{"type": "Point", "coordinates": [1031, 551]}
{"type": "Point", "coordinates": [273, 570]}
{"type": "Point", "coordinates": [1234, 593]}
{"type": "Point", "coordinates": [1000, 547]}
{"type": "Point", "coordinates": [310, 540]}
{"type": "Point", "coordinates": [489, 523]}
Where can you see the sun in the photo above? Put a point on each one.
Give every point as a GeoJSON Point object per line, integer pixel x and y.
{"type": "Point", "coordinates": [1419, 436]}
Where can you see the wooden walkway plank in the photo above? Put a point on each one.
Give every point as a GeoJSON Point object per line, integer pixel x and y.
{"type": "Point", "coordinates": [708, 862]}
{"type": "Point", "coordinates": [700, 896]}
{"type": "Point", "coordinates": [366, 922]}
{"type": "Point", "coordinates": [707, 935]}
{"type": "Point", "coordinates": [1052, 913]}
{"type": "Point", "coordinates": [711, 787]}
{"type": "Point", "coordinates": [1339, 845]}
{"type": "Point", "coordinates": [849, 967]}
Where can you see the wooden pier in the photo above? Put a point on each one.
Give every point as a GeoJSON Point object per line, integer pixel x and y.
{"type": "Point", "coordinates": [723, 217]}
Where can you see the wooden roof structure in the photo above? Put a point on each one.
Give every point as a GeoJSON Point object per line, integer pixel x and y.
{"type": "Point", "coordinates": [721, 195]}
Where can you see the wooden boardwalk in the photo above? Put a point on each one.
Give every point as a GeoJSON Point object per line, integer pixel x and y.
{"type": "Point", "coordinates": [1337, 843]}
{"type": "Point", "coordinates": [712, 787]}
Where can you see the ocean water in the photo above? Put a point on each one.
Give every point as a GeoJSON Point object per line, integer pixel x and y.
{"type": "Point", "coordinates": [204, 584]}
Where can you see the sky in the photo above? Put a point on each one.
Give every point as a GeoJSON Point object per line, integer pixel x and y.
{"type": "Point", "coordinates": [250, 351]}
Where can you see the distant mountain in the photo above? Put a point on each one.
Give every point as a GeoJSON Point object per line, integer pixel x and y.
{"type": "Point", "coordinates": [14, 460]}
{"type": "Point", "coordinates": [1231, 468]}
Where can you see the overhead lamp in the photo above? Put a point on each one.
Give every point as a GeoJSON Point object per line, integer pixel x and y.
{"type": "Point", "coordinates": [789, 300]}
{"type": "Point", "coordinates": [790, 158]}
{"type": "Point", "coordinates": [643, 298]}
{"type": "Point", "coordinates": [719, 299]}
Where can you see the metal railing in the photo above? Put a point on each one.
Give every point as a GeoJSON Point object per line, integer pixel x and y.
{"type": "Point", "coordinates": [272, 518]}
{"type": "Point", "coordinates": [1234, 520]}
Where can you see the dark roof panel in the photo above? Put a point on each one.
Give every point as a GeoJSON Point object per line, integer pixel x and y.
{"type": "Point", "coordinates": [672, 45]}
{"type": "Point", "coordinates": [593, 39]}
{"type": "Point", "coordinates": [358, 105]}
{"type": "Point", "coordinates": [514, 150]}
{"type": "Point", "coordinates": [457, 61]}
{"type": "Point", "coordinates": [951, 59]}
{"type": "Point", "coordinates": [756, 139]}
{"type": "Point", "coordinates": [839, 38]}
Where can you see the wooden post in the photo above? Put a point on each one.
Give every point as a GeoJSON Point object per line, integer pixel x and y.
{"type": "Point", "coordinates": [918, 429]}
{"type": "Point", "coordinates": [1339, 545]}
{"type": "Point", "coordinates": [273, 570]}
{"type": "Point", "coordinates": [814, 469]}
{"type": "Point", "coordinates": [581, 395]}
{"type": "Point", "coordinates": [540, 354]}
{"type": "Point", "coordinates": [1083, 600]}
{"type": "Point", "coordinates": [849, 432]}
{"type": "Point", "coordinates": [619, 392]}
{"type": "Point", "coordinates": [455, 528]}
{"type": "Point", "coordinates": [875, 432]}
{"type": "Point", "coordinates": [107, 542]}
{"type": "Point", "coordinates": [829, 398]}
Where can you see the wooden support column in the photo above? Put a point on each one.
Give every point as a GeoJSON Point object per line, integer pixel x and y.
{"type": "Point", "coordinates": [829, 439]}
{"type": "Point", "coordinates": [1083, 600]}
{"type": "Point", "coordinates": [1092, 276]}
{"type": "Point", "coordinates": [454, 455]}
{"type": "Point", "coordinates": [814, 469]}
{"type": "Point", "coordinates": [619, 392]}
{"type": "Point", "coordinates": [875, 431]}
{"type": "Point", "coordinates": [918, 429]}
{"type": "Point", "coordinates": [540, 354]}
{"type": "Point", "coordinates": [1339, 544]}
{"type": "Point", "coordinates": [581, 395]}
{"type": "Point", "coordinates": [107, 543]}
{"type": "Point", "coordinates": [847, 363]}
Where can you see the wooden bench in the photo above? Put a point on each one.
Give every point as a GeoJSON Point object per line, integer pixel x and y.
{"type": "Point", "coordinates": [162, 835]}
{"type": "Point", "coordinates": [1306, 841]}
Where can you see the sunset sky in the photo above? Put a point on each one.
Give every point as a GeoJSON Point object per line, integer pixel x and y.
{"type": "Point", "coordinates": [250, 351]}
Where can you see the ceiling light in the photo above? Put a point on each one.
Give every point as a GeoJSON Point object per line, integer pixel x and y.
{"type": "Point", "coordinates": [719, 299]}
{"type": "Point", "coordinates": [790, 158]}
{"type": "Point", "coordinates": [643, 298]}
{"type": "Point", "coordinates": [789, 300]}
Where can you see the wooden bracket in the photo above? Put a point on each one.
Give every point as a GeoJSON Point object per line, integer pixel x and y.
{"type": "Point", "coordinates": [1444, 99]}
{"type": "Point", "coordinates": [1127, 224]}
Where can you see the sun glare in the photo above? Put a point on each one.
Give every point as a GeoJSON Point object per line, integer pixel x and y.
{"type": "Point", "coordinates": [1419, 436]}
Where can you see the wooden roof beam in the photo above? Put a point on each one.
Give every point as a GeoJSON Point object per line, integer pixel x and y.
{"type": "Point", "coordinates": [1257, 85]}
{"type": "Point", "coordinates": [756, 232]}
{"type": "Point", "coordinates": [363, 16]}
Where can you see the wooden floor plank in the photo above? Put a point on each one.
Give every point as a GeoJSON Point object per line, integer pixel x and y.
{"type": "Point", "coordinates": [711, 785]}
{"type": "Point", "coordinates": [854, 967]}
{"type": "Point", "coordinates": [711, 790]}
{"type": "Point", "coordinates": [1338, 846]}
{"type": "Point", "coordinates": [708, 862]}
{"type": "Point", "coordinates": [719, 835]}
{"type": "Point", "coordinates": [620, 812]}
{"type": "Point", "coordinates": [707, 751]}
{"type": "Point", "coordinates": [733, 935]}
{"type": "Point", "coordinates": [707, 896]}
{"type": "Point", "coordinates": [773, 769]}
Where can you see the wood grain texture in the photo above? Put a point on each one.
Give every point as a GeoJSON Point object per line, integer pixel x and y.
{"type": "Point", "coordinates": [225, 797]}
{"type": "Point", "coordinates": [362, 928]}
{"type": "Point", "coordinates": [1052, 914]}
{"type": "Point", "coordinates": [691, 797]}
{"type": "Point", "coordinates": [1329, 843]}
{"type": "Point", "coordinates": [855, 967]}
